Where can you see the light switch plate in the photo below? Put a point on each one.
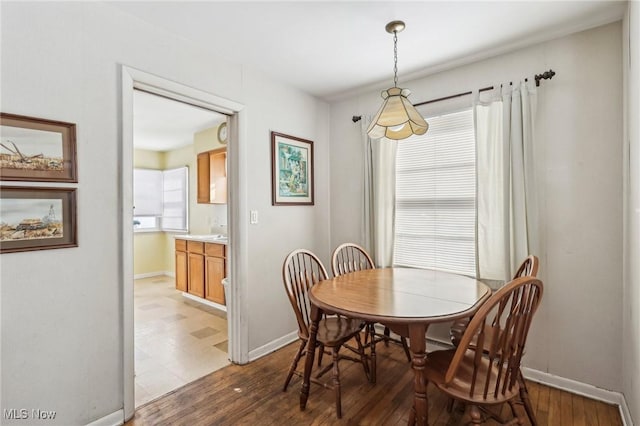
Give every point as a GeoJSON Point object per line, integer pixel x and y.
{"type": "Point", "coordinates": [253, 219]}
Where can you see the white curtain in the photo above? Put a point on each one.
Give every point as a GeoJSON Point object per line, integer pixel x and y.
{"type": "Point", "coordinates": [379, 201]}
{"type": "Point", "coordinates": [507, 218]}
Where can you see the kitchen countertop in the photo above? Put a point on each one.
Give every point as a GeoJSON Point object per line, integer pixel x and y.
{"type": "Point", "coordinates": [213, 238]}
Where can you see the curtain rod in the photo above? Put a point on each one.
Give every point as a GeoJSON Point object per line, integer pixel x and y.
{"type": "Point", "coordinates": [547, 75]}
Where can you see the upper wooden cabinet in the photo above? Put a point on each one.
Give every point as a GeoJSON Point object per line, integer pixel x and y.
{"type": "Point", "coordinates": [212, 176]}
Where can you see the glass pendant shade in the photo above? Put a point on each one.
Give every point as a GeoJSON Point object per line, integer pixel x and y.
{"type": "Point", "coordinates": [397, 118]}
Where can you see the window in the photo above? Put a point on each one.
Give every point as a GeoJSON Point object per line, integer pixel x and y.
{"type": "Point", "coordinates": [175, 199]}
{"type": "Point", "coordinates": [435, 196]}
{"type": "Point", "coordinates": [147, 199]}
{"type": "Point", "coordinates": [160, 199]}
{"type": "Point", "coordinates": [146, 223]}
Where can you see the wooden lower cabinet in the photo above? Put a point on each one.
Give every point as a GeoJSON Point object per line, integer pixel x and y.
{"type": "Point", "coordinates": [182, 265]}
{"type": "Point", "coordinates": [182, 268]}
{"type": "Point", "coordinates": [196, 274]}
{"type": "Point", "coordinates": [215, 274]}
{"type": "Point", "coordinates": [200, 268]}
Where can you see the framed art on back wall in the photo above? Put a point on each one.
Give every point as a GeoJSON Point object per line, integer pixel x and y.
{"type": "Point", "coordinates": [292, 178]}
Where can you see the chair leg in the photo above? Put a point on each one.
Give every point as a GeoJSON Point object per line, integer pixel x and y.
{"type": "Point", "coordinates": [406, 348]}
{"type": "Point", "coordinates": [294, 364]}
{"type": "Point", "coordinates": [514, 413]}
{"type": "Point", "coordinates": [372, 352]}
{"type": "Point", "coordinates": [450, 405]}
{"type": "Point", "coordinates": [320, 355]}
{"type": "Point", "coordinates": [476, 415]}
{"type": "Point", "coordinates": [387, 335]}
{"type": "Point", "coordinates": [336, 381]}
{"type": "Point", "coordinates": [363, 357]}
{"type": "Point", "coordinates": [524, 396]}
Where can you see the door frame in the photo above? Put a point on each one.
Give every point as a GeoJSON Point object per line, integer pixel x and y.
{"type": "Point", "coordinates": [236, 208]}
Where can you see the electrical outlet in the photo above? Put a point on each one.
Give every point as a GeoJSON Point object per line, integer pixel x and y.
{"type": "Point", "coordinates": [253, 219]}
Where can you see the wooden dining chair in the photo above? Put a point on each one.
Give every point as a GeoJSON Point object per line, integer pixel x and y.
{"type": "Point", "coordinates": [484, 370]}
{"type": "Point", "coordinates": [350, 257]}
{"type": "Point", "coordinates": [528, 268]}
{"type": "Point", "coordinates": [302, 270]}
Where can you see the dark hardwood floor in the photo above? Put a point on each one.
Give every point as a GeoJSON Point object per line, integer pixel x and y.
{"type": "Point", "coordinates": [252, 395]}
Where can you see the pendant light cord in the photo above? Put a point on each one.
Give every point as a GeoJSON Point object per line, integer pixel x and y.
{"type": "Point", "coordinates": [395, 59]}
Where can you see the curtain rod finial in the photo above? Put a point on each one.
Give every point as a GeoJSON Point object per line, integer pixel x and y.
{"type": "Point", "coordinates": [547, 75]}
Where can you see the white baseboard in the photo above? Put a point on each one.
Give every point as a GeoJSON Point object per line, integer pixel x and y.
{"type": "Point", "coordinates": [114, 419]}
{"type": "Point", "coordinates": [624, 411]}
{"type": "Point", "coordinates": [205, 302]}
{"type": "Point", "coordinates": [273, 346]}
{"type": "Point", "coordinates": [154, 274]}
{"type": "Point", "coordinates": [584, 389]}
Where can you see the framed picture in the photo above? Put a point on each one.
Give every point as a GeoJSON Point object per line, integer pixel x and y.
{"type": "Point", "coordinates": [34, 218]}
{"type": "Point", "coordinates": [291, 170]}
{"type": "Point", "coordinates": [34, 149]}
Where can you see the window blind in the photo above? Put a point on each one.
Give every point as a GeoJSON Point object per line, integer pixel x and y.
{"type": "Point", "coordinates": [435, 196]}
{"type": "Point", "coordinates": [147, 192]}
{"type": "Point", "coordinates": [161, 199]}
{"type": "Point", "coordinates": [175, 199]}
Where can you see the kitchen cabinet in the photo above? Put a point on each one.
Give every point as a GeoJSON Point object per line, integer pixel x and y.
{"type": "Point", "coordinates": [200, 268]}
{"type": "Point", "coordinates": [215, 272]}
{"type": "Point", "coordinates": [212, 177]}
{"type": "Point", "coordinates": [195, 280]}
{"type": "Point", "coordinates": [182, 265]}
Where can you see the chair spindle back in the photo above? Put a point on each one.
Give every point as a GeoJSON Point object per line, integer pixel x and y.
{"type": "Point", "coordinates": [350, 257]}
{"type": "Point", "coordinates": [301, 270]}
{"type": "Point", "coordinates": [497, 335]}
{"type": "Point", "coordinates": [528, 268]}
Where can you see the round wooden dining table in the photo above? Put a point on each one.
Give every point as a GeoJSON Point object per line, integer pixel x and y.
{"type": "Point", "coordinates": [406, 300]}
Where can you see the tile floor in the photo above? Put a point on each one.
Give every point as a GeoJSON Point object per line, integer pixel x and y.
{"type": "Point", "coordinates": [176, 340]}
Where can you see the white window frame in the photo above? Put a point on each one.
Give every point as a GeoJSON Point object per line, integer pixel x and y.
{"type": "Point", "coordinates": [156, 202]}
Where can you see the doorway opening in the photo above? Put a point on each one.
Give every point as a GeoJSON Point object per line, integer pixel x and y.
{"type": "Point", "coordinates": [180, 324]}
{"type": "Point", "coordinates": [236, 265]}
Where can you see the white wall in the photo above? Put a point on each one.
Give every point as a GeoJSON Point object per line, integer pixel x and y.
{"type": "Point", "coordinates": [149, 248]}
{"type": "Point", "coordinates": [631, 306]}
{"type": "Point", "coordinates": [281, 229]}
{"type": "Point", "coordinates": [62, 309]}
{"type": "Point", "coordinates": [577, 332]}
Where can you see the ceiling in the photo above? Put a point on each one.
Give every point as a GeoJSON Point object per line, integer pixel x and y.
{"type": "Point", "coordinates": [333, 49]}
{"type": "Point", "coordinates": [161, 124]}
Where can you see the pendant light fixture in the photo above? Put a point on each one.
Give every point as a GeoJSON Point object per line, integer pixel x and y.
{"type": "Point", "coordinates": [397, 118]}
